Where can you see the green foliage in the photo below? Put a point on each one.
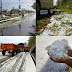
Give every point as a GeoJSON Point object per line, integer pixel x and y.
{"type": "Point", "coordinates": [69, 34]}
{"type": "Point", "coordinates": [15, 10]}
{"type": "Point", "coordinates": [32, 41]}
{"type": "Point", "coordinates": [58, 3]}
{"type": "Point", "coordinates": [67, 22]}
{"type": "Point", "coordinates": [65, 5]}
{"type": "Point", "coordinates": [40, 23]}
{"type": "Point", "coordinates": [25, 44]}
{"type": "Point", "coordinates": [55, 6]}
{"type": "Point", "coordinates": [34, 6]}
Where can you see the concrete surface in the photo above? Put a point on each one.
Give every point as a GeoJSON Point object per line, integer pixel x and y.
{"type": "Point", "coordinates": [29, 65]}
{"type": "Point", "coordinates": [43, 62]}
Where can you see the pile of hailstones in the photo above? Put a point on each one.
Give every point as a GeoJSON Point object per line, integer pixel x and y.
{"type": "Point", "coordinates": [59, 49]}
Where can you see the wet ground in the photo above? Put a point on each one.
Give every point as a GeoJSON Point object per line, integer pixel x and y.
{"type": "Point", "coordinates": [19, 27]}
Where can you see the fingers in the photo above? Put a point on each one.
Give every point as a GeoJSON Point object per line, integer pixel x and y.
{"type": "Point", "coordinates": [58, 60]}
{"type": "Point", "coordinates": [50, 57]}
{"type": "Point", "coordinates": [69, 52]}
{"type": "Point", "coordinates": [48, 52]}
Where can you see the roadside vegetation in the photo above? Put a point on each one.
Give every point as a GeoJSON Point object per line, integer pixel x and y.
{"type": "Point", "coordinates": [65, 5]}
{"type": "Point", "coordinates": [32, 41]}
{"type": "Point", "coordinates": [41, 25]}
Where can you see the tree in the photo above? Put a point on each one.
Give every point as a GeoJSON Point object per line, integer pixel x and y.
{"type": "Point", "coordinates": [58, 3]}
{"type": "Point", "coordinates": [65, 5]}
{"type": "Point", "coordinates": [25, 44]}
{"type": "Point", "coordinates": [34, 6]}
{"type": "Point", "coordinates": [15, 10]}
{"type": "Point", "coordinates": [32, 41]}
{"type": "Point", "coordinates": [55, 6]}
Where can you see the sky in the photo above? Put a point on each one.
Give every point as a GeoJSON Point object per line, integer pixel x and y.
{"type": "Point", "coordinates": [26, 4]}
{"type": "Point", "coordinates": [55, 1]}
{"type": "Point", "coordinates": [14, 39]}
{"type": "Point", "coordinates": [9, 4]}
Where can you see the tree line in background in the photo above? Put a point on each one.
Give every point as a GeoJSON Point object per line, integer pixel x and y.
{"type": "Point", "coordinates": [32, 41]}
{"type": "Point", "coordinates": [64, 5]}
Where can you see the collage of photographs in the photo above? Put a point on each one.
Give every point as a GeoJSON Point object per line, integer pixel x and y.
{"type": "Point", "coordinates": [35, 35]}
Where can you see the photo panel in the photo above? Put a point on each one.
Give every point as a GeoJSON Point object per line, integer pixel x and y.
{"type": "Point", "coordinates": [17, 54]}
{"type": "Point", "coordinates": [54, 18]}
{"type": "Point", "coordinates": [54, 54]}
{"type": "Point", "coordinates": [17, 18]}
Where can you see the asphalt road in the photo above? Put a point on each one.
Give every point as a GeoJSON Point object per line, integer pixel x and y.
{"type": "Point", "coordinates": [22, 26]}
{"type": "Point", "coordinates": [17, 63]}
{"type": "Point", "coordinates": [12, 64]}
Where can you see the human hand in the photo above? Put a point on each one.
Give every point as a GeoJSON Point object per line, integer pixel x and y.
{"type": "Point", "coordinates": [57, 60]}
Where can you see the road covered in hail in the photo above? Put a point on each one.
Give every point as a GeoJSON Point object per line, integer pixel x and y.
{"type": "Point", "coordinates": [21, 62]}
{"type": "Point", "coordinates": [19, 26]}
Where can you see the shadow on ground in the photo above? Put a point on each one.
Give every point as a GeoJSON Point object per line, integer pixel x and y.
{"type": "Point", "coordinates": [51, 66]}
{"type": "Point", "coordinates": [48, 15]}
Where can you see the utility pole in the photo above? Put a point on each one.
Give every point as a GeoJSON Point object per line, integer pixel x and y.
{"type": "Point", "coordinates": [0, 8]}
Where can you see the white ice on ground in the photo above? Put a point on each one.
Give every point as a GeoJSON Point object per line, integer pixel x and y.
{"type": "Point", "coordinates": [56, 27]}
{"type": "Point", "coordinates": [59, 49]}
{"type": "Point", "coordinates": [21, 62]}
{"type": "Point", "coordinates": [6, 65]}
{"type": "Point", "coordinates": [18, 63]}
{"type": "Point", "coordinates": [11, 63]}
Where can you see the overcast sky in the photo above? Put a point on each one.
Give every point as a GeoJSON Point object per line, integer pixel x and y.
{"type": "Point", "coordinates": [26, 4]}
{"type": "Point", "coordinates": [9, 4]}
{"type": "Point", "coordinates": [14, 39]}
{"type": "Point", "coordinates": [55, 1]}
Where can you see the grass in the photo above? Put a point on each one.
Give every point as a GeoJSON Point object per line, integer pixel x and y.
{"type": "Point", "coordinates": [51, 35]}
{"type": "Point", "coordinates": [69, 34]}
{"type": "Point", "coordinates": [58, 18]}
{"type": "Point", "coordinates": [67, 22]}
{"type": "Point", "coordinates": [42, 23]}
{"type": "Point", "coordinates": [67, 31]}
{"type": "Point", "coordinates": [13, 24]}
{"type": "Point", "coordinates": [59, 28]}
{"type": "Point", "coordinates": [67, 10]}
{"type": "Point", "coordinates": [40, 32]}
